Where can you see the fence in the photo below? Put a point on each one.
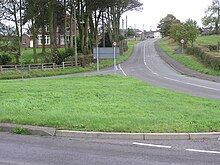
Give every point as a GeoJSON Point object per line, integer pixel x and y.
{"type": "Point", "coordinates": [29, 67]}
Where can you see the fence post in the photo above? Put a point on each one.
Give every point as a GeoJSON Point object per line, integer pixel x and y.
{"type": "Point", "coordinates": [63, 65]}
{"type": "Point", "coordinates": [16, 68]}
{"type": "Point", "coordinates": [1, 70]}
{"type": "Point", "coordinates": [53, 65]}
{"type": "Point", "coordinates": [42, 66]}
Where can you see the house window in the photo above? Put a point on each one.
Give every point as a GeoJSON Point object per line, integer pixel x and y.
{"type": "Point", "coordinates": [62, 42]}
{"type": "Point", "coordinates": [24, 41]}
{"type": "Point", "coordinates": [67, 38]}
{"type": "Point", "coordinates": [47, 40]}
{"type": "Point", "coordinates": [39, 39]}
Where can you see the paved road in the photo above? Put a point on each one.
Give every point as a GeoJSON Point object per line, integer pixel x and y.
{"type": "Point", "coordinates": [33, 150]}
{"type": "Point", "coordinates": [147, 65]}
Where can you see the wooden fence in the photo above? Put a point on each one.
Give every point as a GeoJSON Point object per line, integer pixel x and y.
{"type": "Point", "coordinates": [29, 67]}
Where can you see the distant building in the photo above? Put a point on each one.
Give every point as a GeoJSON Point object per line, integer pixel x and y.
{"type": "Point", "coordinates": [153, 34]}
{"type": "Point", "coordinates": [27, 39]}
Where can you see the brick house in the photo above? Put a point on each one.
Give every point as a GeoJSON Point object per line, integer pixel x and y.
{"type": "Point", "coordinates": [27, 39]}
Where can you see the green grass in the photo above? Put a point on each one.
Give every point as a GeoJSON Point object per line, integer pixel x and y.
{"type": "Point", "coordinates": [105, 103]}
{"type": "Point", "coordinates": [40, 73]}
{"type": "Point", "coordinates": [208, 40]}
{"type": "Point", "coordinates": [21, 131]}
{"type": "Point", "coordinates": [187, 60]}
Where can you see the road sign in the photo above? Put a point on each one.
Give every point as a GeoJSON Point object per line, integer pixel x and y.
{"type": "Point", "coordinates": [114, 44]}
{"type": "Point", "coordinates": [182, 41]}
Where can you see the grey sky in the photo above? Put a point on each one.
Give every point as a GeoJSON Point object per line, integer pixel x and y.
{"type": "Point", "coordinates": [155, 10]}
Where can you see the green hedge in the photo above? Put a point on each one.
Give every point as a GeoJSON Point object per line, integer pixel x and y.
{"type": "Point", "coordinates": [206, 58]}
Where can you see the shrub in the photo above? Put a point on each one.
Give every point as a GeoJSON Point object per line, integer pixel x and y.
{"type": "Point", "coordinates": [206, 58]}
{"type": "Point", "coordinates": [5, 59]}
{"type": "Point", "coordinates": [62, 55]}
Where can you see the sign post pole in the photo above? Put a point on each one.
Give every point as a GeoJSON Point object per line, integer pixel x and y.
{"type": "Point", "coordinates": [182, 42]}
{"type": "Point", "coordinates": [114, 45]}
{"type": "Point", "coordinates": [97, 58]}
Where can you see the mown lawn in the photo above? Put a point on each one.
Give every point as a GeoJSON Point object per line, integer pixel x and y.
{"type": "Point", "coordinates": [188, 60]}
{"type": "Point", "coordinates": [105, 103]}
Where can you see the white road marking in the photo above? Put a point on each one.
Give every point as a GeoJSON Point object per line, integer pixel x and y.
{"type": "Point", "coordinates": [196, 85]}
{"type": "Point", "coordinates": [116, 67]}
{"type": "Point", "coordinates": [201, 86]}
{"type": "Point", "coordinates": [151, 145]}
{"type": "Point", "coordinates": [203, 151]}
{"type": "Point", "coordinates": [122, 70]}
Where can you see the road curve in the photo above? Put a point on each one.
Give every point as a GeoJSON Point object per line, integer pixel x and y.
{"type": "Point", "coordinates": [146, 64]}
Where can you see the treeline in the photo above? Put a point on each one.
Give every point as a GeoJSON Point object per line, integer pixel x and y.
{"type": "Point", "coordinates": [89, 16]}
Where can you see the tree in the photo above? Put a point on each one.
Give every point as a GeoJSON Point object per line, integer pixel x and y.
{"type": "Point", "coordinates": [212, 18]}
{"type": "Point", "coordinates": [177, 31]}
{"type": "Point", "coordinates": [166, 23]}
{"type": "Point", "coordinates": [12, 11]}
{"type": "Point", "coordinates": [130, 32]}
{"type": "Point", "coordinates": [191, 30]}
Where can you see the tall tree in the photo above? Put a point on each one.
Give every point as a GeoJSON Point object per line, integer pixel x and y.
{"type": "Point", "coordinates": [191, 30]}
{"type": "Point", "coordinates": [11, 10]}
{"type": "Point", "coordinates": [166, 23]}
{"type": "Point", "coordinates": [212, 18]}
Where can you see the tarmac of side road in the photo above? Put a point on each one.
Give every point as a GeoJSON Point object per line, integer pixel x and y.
{"type": "Point", "coordinates": [47, 131]}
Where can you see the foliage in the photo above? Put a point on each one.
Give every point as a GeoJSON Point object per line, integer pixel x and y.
{"type": "Point", "coordinates": [189, 61]}
{"type": "Point", "coordinates": [5, 59]}
{"type": "Point", "coordinates": [177, 31]}
{"type": "Point", "coordinates": [21, 131]}
{"type": "Point", "coordinates": [63, 54]}
{"type": "Point", "coordinates": [191, 31]}
{"type": "Point", "coordinates": [188, 31]}
{"type": "Point", "coordinates": [130, 32]}
{"type": "Point", "coordinates": [166, 23]}
{"type": "Point", "coordinates": [207, 59]}
{"type": "Point", "coordinates": [212, 18]}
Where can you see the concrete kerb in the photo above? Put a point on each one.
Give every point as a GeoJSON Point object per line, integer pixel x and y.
{"type": "Point", "coordinates": [34, 130]}
{"type": "Point", "coordinates": [48, 131]}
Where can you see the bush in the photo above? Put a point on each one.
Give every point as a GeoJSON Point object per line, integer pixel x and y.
{"type": "Point", "coordinates": [62, 55]}
{"type": "Point", "coordinates": [85, 60]}
{"type": "Point", "coordinates": [206, 58]}
{"type": "Point", "coordinates": [5, 59]}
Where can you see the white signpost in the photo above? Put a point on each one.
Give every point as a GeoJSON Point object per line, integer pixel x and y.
{"type": "Point", "coordinates": [114, 45]}
{"type": "Point", "coordinates": [182, 42]}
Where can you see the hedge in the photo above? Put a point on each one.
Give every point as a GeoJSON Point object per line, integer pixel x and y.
{"type": "Point", "coordinates": [207, 58]}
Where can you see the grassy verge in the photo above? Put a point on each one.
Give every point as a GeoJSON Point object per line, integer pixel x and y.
{"type": "Point", "coordinates": [105, 103]}
{"type": "Point", "coordinates": [103, 64]}
{"type": "Point", "coordinates": [188, 60]}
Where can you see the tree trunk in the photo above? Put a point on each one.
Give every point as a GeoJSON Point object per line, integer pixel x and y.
{"type": "Point", "coordinates": [18, 54]}
{"type": "Point", "coordinates": [53, 28]}
{"type": "Point", "coordinates": [34, 41]}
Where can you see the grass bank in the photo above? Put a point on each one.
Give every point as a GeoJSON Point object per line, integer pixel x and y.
{"type": "Point", "coordinates": [105, 103]}
{"type": "Point", "coordinates": [40, 73]}
{"type": "Point", "coordinates": [189, 61]}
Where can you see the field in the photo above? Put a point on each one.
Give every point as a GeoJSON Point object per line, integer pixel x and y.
{"type": "Point", "coordinates": [105, 103]}
{"type": "Point", "coordinates": [208, 40]}
{"type": "Point", "coordinates": [169, 46]}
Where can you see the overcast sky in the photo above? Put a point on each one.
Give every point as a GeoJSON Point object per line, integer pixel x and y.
{"type": "Point", "coordinates": [155, 10]}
